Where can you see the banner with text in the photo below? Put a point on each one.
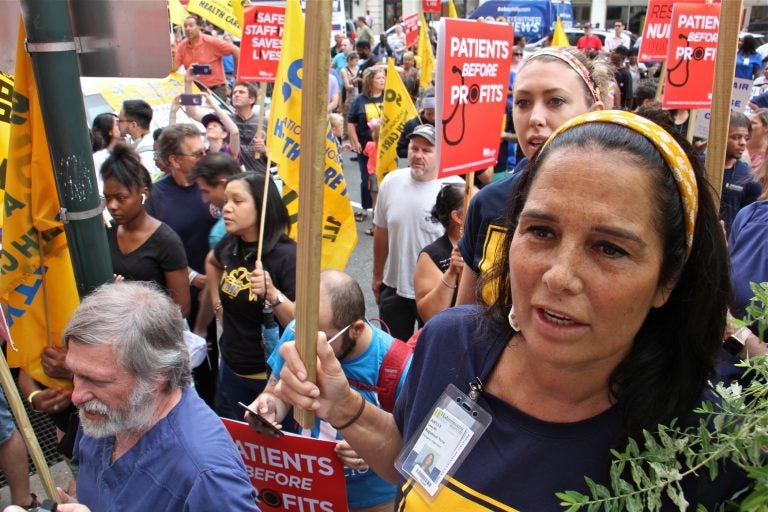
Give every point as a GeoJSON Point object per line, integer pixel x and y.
{"type": "Point", "coordinates": [658, 23]}
{"type": "Point", "coordinates": [291, 473]}
{"type": "Point", "coordinates": [411, 29]}
{"type": "Point", "coordinates": [261, 43]}
{"type": "Point", "coordinates": [284, 144]}
{"type": "Point", "coordinates": [219, 12]}
{"type": "Point", "coordinates": [473, 77]}
{"type": "Point", "coordinates": [739, 99]}
{"type": "Point", "coordinates": [691, 53]}
{"type": "Point", "coordinates": [37, 282]}
{"type": "Point", "coordinates": [431, 6]}
{"type": "Point", "coordinates": [398, 109]}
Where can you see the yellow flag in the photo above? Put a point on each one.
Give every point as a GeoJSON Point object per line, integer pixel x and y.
{"type": "Point", "coordinates": [559, 38]}
{"type": "Point", "coordinates": [219, 12]}
{"type": "Point", "coordinates": [177, 12]}
{"type": "Point", "coordinates": [37, 281]}
{"type": "Point", "coordinates": [284, 145]}
{"type": "Point", "coordinates": [452, 10]}
{"type": "Point", "coordinates": [426, 56]}
{"type": "Point", "coordinates": [398, 110]}
{"type": "Point", "coordinates": [6, 102]}
{"type": "Point", "coordinates": [237, 8]}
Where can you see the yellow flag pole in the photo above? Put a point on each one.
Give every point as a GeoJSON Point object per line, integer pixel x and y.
{"type": "Point", "coordinates": [26, 430]}
{"type": "Point", "coordinates": [263, 216]}
{"type": "Point", "coordinates": [314, 123]}
{"type": "Point", "coordinates": [261, 98]}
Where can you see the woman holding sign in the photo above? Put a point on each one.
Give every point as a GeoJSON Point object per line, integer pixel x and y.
{"type": "Point", "coordinates": [365, 108]}
{"type": "Point", "coordinates": [612, 298]}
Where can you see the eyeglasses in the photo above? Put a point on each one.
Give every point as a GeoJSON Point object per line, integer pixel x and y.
{"type": "Point", "coordinates": [292, 328]}
{"type": "Point", "coordinates": [517, 54]}
{"type": "Point", "coordinates": [197, 154]}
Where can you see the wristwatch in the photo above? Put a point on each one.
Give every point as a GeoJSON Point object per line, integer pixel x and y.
{"type": "Point", "coordinates": [736, 342]}
{"type": "Point", "coordinates": [279, 299]}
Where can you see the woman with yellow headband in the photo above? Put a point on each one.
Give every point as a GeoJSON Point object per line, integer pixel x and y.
{"type": "Point", "coordinates": [553, 86]}
{"type": "Point", "coordinates": [617, 269]}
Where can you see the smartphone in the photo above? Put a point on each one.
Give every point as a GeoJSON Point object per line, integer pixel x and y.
{"type": "Point", "coordinates": [263, 422]}
{"type": "Point", "coordinates": [201, 69]}
{"type": "Point", "coordinates": [192, 99]}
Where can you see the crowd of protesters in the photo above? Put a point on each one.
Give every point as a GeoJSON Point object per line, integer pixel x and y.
{"type": "Point", "coordinates": [576, 328]}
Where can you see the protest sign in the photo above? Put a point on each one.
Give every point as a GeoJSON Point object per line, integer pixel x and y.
{"type": "Point", "coordinates": [261, 43]}
{"type": "Point", "coordinates": [219, 12]}
{"type": "Point", "coordinates": [473, 78]}
{"type": "Point", "coordinates": [398, 110]}
{"type": "Point", "coordinates": [431, 6]}
{"type": "Point", "coordinates": [739, 99]}
{"type": "Point", "coordinates": [656, 31]}
{"type": "Point", "coordinates": [691, 53]}
{"type": "Point", "coordinates": [291, 473]}
{"type": "Point", "coordinates": [411, 29]}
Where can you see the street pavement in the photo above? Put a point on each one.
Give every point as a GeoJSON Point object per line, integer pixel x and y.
{"type": "Point", "coordinates": [360, 265]}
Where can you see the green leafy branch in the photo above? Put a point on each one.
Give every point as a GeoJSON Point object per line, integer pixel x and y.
{"type": "Point", "coordinates": [734, 430]}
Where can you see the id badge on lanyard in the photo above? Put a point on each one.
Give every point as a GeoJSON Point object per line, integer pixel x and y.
{"type": "Point", "coordinates": [443, 440]}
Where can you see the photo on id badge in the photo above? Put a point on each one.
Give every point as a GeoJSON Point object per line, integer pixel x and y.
{"type": "Point", "coordinates": [443, 439]}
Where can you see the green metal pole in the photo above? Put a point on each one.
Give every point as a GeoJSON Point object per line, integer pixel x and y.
{"type": "Point", "coordinates": [54, 60]}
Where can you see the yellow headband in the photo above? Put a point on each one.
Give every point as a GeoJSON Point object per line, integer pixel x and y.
{"type": "Point", "coordinates": [671, 151]}
{"type": "Point", "coordinates": [574, 63]}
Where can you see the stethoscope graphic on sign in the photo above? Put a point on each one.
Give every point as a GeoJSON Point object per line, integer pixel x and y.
{"type": "Point", "coordinates": [697, 54]}
{"type": "Point", "coordinates": [472, 97]}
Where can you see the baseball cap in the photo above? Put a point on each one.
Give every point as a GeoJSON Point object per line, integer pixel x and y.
{"type": "Point", "coordinates": [209, 118]}
{"type": "Point", "coordinates": [426, 131]}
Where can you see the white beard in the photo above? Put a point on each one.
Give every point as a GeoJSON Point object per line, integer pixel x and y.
{"type": "Point", "coordinates": [135, 418]}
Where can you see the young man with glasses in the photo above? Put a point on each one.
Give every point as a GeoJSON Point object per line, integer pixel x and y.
{"type": "Point", "coordinates": [618, 38]}
{"type": "Point", "coordinates": [133, 121]}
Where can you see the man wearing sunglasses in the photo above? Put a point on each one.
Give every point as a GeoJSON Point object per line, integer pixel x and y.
{"type": "Point", "coordinates": [362, 350]}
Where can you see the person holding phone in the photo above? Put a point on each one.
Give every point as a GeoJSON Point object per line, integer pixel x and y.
{"type": "Point", "coordinates": [243, 286]}
{"type": "Point", "coordinates": [198, 49]}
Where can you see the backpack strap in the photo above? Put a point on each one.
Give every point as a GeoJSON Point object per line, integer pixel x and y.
{"type": "Point", "coordinates": [390, 372]}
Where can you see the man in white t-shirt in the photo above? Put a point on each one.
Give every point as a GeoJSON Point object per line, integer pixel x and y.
{"type": "Point", "coordinates": [134, 120]}
{"type": "Point", "coordinates": [402, 228]}
{"type": "Point", "coordinates": [618, 38]}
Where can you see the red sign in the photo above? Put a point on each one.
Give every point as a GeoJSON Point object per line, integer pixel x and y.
{"type": "Point", "coordinates": [261, 43]}
{"type": "Point", "coordinates": [656, 30]}
{"type": "Point", "coordinates": [411, 29]}
{"type": "Point", "coordinates": [473, 76]}
{"type": "Point", "coordinates": [691, 56]}
{"type": "Point", "coordinates": [431, 5]}
{"type": "Point", "coordinates": [291, 473]}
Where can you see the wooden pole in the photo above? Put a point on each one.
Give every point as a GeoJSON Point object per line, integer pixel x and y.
{"type": "Point", "coordinates": [261, 98]}
{"type": "Point", "coordinates": [662, 77]}
{"type": "Point", "coordinates": [26, 430]}
{"type": "Point", "coordinates": [263, 216]}
{"type": "Point", "coordinates": [693, 114]}
{"type": "Point", "coordinates": [314, 123]}
{"type": "Point", "coordinates": [722, 89]}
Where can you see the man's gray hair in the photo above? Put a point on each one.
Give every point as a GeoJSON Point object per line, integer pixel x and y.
{"type": "Point", "coordinates": [169, 142]}
{"type": "Point", "coordinates": [142, 323]}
